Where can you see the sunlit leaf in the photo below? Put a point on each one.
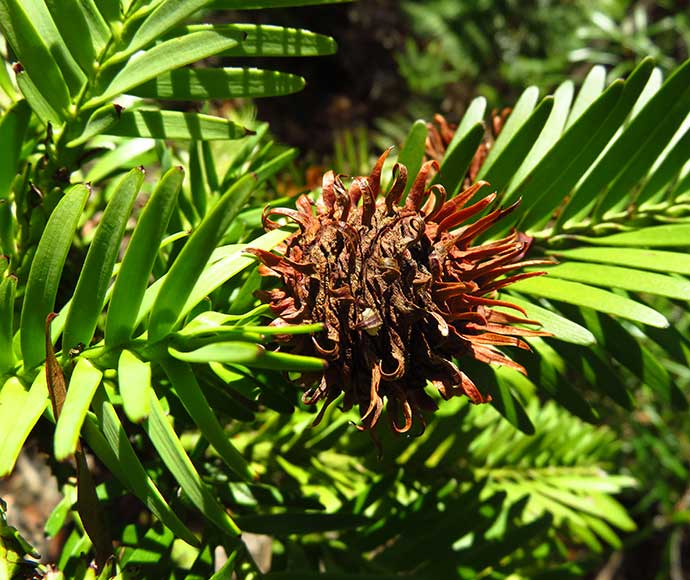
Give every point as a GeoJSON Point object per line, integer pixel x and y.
{"type": "Point", "coordinates": [134, 380]}
{"type": "Point", "coordinates": [591, 297]}
{"type": "Point", "coordinates": [412, 151]}
{"type": "Point", "coordinates": [154, 547]}
{"type": "Point", "coordinates": [8, 287]}
{"type": "Point", "coordinates": [42, 19]}
{"type": "Point", "coordinates": [521, 112]}
{"type": "Point", "coordinates": [227, 569]}
{"type": "Point", "coordinates": [591, 88]}
{"type": "Point", "coordinates": [179, 285]}
{"type": "Point", "coordinates": [625, 278]}
{"type": "Point", "coordinates": [259, 4]}
{"type": "Point", "coordinates": [550, 134]}
{"type": "Point", "coordinates": [128, 154]}
{"type": "Point", "coordinates": [82, 386]}
{"type": "Point", "coordinates": [38, 103]}
{"type": "Point", "coordinates": [172, 453]}
{"type": "Point", "coordinates": [586, 193]}
{"type": "Point", "coordinates": [253, 355]}
{"type": "Point", "coordinates": [164, 57]}
{"type": "Point", "coordinates": [564, 164]}
{"type": "Point", "coordinates": [34, 55]}
{"type": "Point", "coordinates": [152, 123]}
{"type": "Point", "coordinates": [267, 41]}
{"type": "Point", "coordinates": [82, 27]}
{"type": "Point", "coordinates": [501, 171]}
{"type": "Point", "coordinates": [16, 426]}
{"type": "Point", "coordinates": [114, 449]}
{"type": "Point", "coordinates": [138, 261]}
{"type": "Point", "coordinates": [94, 279]}
{"type": "Point", "coordinates": [457, 159]}
{"type": "Point", "coordinates": [671, 165]}
{"type": "Point", "coordinates": [648, 134]}
{"type": "Point", "coordinates": [560, 327]}
{"type": "Point", "coordinates": [100, 120]}
{"type": "Point", "coordinates": [187, 388]}
{"type": "Point", "coordinates": [658, 260]}
{"type": "Point", "coordinates": [219, 83]}
{"type": "Point", "coordinates": [161, 19]}
{"type": "Point", "coordinates": [46, 269]}
{"type": "Point", "coordinates": [13, 126]}
{"type": "Point", "coordinates": [667, 236]}
{"type": "Point", "coordinates": [221, 271]}
{"type": "Point", "coordinates": [191, 261]}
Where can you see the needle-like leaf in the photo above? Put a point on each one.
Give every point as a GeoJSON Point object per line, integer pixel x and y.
{"type": "Point", "coordinates": [187, 388]}
{"type": "Point", "coordinates": [164, 57]}
{"type": "Point", "coordinates": [82, 386]}
{"type": "Point", "coordinates": [134, 380]}
{"type": "Point", "coordinates": [95, 276]}
{"type": "Point", "coordinates": [591, 297]}
{"type": "Point", "coordinates": [15, 426]}
{"type": "Point", "coordinates": [219, 83]}
{"type": "Point", "coordinates": [46, 269]}
{"type": "Point", "coordinates": [34, 55]}
{"type": "Point", "coordinates": [137, 263]}
{"type": "Point", "coordinates": [8, 287]}
{"type": "Point", "coordinates": [172, 453]}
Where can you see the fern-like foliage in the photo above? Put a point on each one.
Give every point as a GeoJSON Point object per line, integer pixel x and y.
{"type": "Point", "coordinates": [84, 80]}
{"type": "Point", "coordinates": [470, 497]}
{"type": "Point", "coordinates": [85, 69]}
{"type": "Point", "coordinates": [602, 179]}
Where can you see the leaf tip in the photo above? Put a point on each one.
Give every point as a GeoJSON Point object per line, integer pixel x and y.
{"type": "Point", "coordinates": [52, 316]}
{"type": "Point", "coordinates": [63, 456]}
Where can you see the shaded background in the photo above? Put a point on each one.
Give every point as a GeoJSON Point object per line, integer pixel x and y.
{"type": "Point", "coordinates": [401, 60]}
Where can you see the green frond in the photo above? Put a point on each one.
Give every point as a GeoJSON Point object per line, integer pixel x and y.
{"type": "Point", "coordinates": [595, 173]}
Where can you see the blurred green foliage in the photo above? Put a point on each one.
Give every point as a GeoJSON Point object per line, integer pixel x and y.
{"type": "Point", "coordinates": [497, 47]}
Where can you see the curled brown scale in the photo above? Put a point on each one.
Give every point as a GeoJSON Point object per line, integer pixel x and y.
{"type": "Point", "coordinates": [403, 291]}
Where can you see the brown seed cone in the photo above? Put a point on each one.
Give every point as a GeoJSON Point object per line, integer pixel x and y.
{"type": "Point", "coordinates": [440, 133]}
{"type": "Point", "coordinates": [400, 289]}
